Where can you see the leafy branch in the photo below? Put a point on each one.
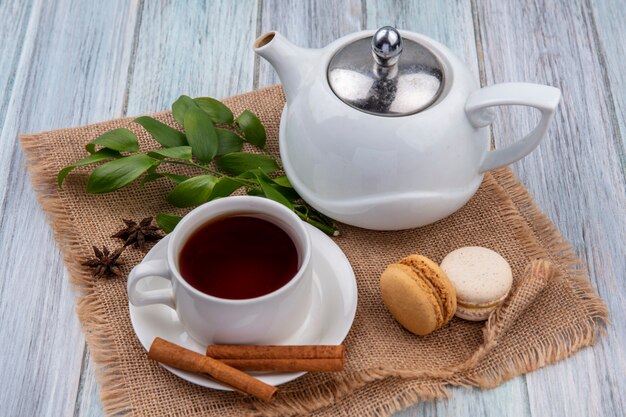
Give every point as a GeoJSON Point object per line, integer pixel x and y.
{"type": "Point", "coordinates": [211, 146]}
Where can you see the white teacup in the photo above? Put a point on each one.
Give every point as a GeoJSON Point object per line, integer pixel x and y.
{"type": "Point", "coordinates": [267, 319]}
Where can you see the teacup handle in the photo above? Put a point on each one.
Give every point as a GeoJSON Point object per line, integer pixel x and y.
{"type": "Point", "coordinates": [542, 97]}
{"type": "Point", "coordinates": [155, 268]}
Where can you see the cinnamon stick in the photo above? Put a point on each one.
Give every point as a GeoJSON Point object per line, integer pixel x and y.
{"type": "Point", "coordinates": [286, 365]}
{"type": "Point", "coordinates": [177, 356]}
{"type": "Point", "coordinates": [308, 358]}
{"type": "Point", "coordinates": [275, 352]}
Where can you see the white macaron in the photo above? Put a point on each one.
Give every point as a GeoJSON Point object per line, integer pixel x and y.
{"type": "Point", "coordinates": [482, 279]}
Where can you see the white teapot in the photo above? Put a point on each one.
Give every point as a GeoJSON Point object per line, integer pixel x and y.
{"type": "Point", "coordinates": [388, 130]}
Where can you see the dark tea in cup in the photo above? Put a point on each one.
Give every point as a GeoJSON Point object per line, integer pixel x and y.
{"type": "Point", "coordinates": [241, 272]}
{"type": "Point", "coordinates": [238, 257]}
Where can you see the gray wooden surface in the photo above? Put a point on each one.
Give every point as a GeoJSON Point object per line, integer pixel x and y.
{"type": "Point", "coordinates": [71, 62]}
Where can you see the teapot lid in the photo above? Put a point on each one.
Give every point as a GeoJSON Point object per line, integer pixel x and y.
{"type": "Point", "coordinates": [386, 75]}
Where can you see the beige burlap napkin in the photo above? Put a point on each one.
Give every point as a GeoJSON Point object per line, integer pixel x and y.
{"type": "Point", "coordinates": [387, 368]}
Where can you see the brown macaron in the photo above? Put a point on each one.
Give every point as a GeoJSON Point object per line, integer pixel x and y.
{"type": "Point", "coordinates": [418, 294]}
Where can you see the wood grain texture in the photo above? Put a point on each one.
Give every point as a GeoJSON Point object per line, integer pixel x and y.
{"type": "Point", "coordinates": [88, 402]}
{"type": "Point", "coordinates": [194, 48]}
{"type": "Point", "coordinates": [72, 62]}
{"type": "Point", "coordinates": [575, 175]}
{"type": "Point", "coordinates": [309, 23]}
{"type": "Point", "coordinates": [609, 17]}
{"type": "Point", "coordinates": [508, 399]}
{"type": "Point", "coordinates": [449, 22]}
{"type": "Point", "coordinates": [13, 21]}
{"type": "Point", "coordinates": [72, 70]}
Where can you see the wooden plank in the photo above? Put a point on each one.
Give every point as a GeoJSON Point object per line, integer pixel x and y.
{"type": "Point", "coordinates": [191, 48]}
{"type": "Point", "coordinates": [310, 24]}
{"type": "Point", "coordinates": [508, 399]}
{"type": "Point", "coordinates": [609, 17]}
{"type": "Point", "coordinates": [72, 70]}
{"type": "Point", "coordinates": [88, 402]}
{"type": "Point", "coordinates": [449, 22]}
{"type": "Point", "coordinates": [575, 175]}
{"type": "Point", "coordinates": [13, 21]}
{"type": "Point", "coordinates": [204, 51]}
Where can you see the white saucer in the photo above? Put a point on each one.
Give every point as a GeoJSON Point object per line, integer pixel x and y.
{"type": "Point", "coordinates": [333, 307]}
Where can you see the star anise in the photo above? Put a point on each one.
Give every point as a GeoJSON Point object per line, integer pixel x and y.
{"type": "Point", "coordinates": [139, 234]}
{"type": "Point", "coordinates": [106, 264]}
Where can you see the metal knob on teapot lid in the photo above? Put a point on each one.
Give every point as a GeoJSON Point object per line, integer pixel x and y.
{"type": "Point", "coordinates": [386, 75]}
{"type": "Point", "coordinates": [386, 46]}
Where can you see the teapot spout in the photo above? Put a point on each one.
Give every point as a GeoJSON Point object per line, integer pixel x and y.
{"type": "Point", "coordinates": [291, 62]}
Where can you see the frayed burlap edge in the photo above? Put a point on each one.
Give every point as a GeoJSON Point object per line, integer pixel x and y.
{"type": "Point", "coordinates": [529, 224]}
{"type": "Point", "coordinates": [98, 333]}
{"type": "Point", "coordinates": [540, 240]}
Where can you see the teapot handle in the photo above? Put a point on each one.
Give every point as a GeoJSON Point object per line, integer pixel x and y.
{"type": "Point", "coordinates": [478, 110]}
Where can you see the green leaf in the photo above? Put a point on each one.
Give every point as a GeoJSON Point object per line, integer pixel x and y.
{"type": "Point", "coordinates": [192, 192]}
{"type": "Point", "coordinates": [180, 108]}
{"type": "Point", "coordinates": [218, 112]}
{"type": "Point", "coordinates": [283, 181]}
{"type": "Point", "coordinates": [201, 135]}
{"type": "Point", "coordinates": [175, 177]}
{"type": "Point", "coordinates": [119, 173]}
{"type": "Point", "coordinates": [256, 191]}
{"type": "Point", "coordinates": [224, 187]}
{"type": "Point", "coordinates": [317, 219]}
{"type": "Point", "coordinates": [101, 155]}
{"type": "Point", "coordinates": [167, 222]}
{"type": "Point", "coordinates": [179, 152]}
{"type": "Point", "coordinates": [228, 142]}
{"type": "Point", "coordinates": [252, 128]}
{"type": "Point", "coordinates": [288, 192]}
{"type": "Point", "coordinates": [250, 174]}
{"type": "Point", "coordinates": [122, 140]}
{"type": "Point", "coordinates": [153, 176]}
{"type": "Point", "coordinates": [272, 193]}
{"type": "Point", "coordinates": [239, 162]}
{"type": "Point", "coordinates": [167, 136]}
